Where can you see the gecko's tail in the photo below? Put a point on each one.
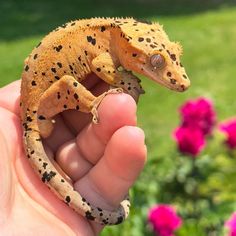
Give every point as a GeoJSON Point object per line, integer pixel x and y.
{"type": "Point", "coordinates": [63, 189]}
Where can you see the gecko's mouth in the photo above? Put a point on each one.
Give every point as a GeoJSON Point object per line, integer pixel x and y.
{"type": "Point", "coordinates": [176, 87]}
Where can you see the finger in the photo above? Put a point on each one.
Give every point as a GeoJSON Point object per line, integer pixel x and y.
{"type": "Point", "coordinates": [10, 97]}
{"type": "Point", "coordinates": [108, 182]}
{"type": "Point", "coordinates": [115, 111]}
{"type": "Point", "coordinates": [91, 142]}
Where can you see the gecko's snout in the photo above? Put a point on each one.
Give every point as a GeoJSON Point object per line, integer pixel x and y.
{"type": "Point", "coordinates": [184, 85]}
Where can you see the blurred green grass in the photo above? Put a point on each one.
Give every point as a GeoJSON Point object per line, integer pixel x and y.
{"type": "Point", "coordinates": [207, 33]}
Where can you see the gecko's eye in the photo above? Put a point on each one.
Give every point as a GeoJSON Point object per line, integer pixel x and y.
{"type": "Point", "coordinates": [158, 61]}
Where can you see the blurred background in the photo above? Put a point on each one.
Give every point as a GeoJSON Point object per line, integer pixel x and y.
{"type": "Point", "coordinates": [207, 31]}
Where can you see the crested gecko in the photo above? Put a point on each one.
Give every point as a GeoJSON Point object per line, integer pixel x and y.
{"type": "Point", "coordinates": [51, 83]}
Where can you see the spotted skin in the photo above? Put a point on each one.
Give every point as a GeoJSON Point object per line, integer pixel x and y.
{"type": "Point", "coordinates": [109, 47]}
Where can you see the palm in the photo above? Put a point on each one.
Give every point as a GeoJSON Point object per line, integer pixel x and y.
{"type": "Point", "coordinates": [102, 160]}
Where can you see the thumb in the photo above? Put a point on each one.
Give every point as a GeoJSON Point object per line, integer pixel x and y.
{"type": "Point", "coordinates": [5, 180]}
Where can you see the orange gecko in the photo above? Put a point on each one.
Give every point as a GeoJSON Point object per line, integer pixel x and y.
{"type": "Point", "coordinates": [109, 47]}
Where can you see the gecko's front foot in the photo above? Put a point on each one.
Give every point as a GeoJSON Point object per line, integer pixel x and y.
{"type": "Point", "coordinates": [99, 99]}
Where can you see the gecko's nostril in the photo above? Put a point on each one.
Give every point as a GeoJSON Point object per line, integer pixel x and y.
{"type": "Point", "coordinates": [182, 86]}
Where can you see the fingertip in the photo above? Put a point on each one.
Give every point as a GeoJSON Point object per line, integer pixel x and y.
{"type": "Point", "coordinates": [115, 111]}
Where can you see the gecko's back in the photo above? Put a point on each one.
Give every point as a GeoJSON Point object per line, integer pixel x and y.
{"type": "Point", "coordinates": [68, 50]}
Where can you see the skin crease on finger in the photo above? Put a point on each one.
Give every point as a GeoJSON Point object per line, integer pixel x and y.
{"type": "Point", "coordinates": [37, 191]}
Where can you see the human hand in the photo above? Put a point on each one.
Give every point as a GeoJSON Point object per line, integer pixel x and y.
{"type": "Point", "coordinates": [102, 160]}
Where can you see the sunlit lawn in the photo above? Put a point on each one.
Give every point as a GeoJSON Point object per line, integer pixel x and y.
{"type": "Point", "coordinates": [208, 40]}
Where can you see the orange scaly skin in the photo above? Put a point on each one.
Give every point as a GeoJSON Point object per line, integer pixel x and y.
{"type": "Point", "coordinates": [109, 47]}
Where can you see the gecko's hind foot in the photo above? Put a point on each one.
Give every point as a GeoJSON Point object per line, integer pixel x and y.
{"type": "Point", "coordinates": [99, 99]}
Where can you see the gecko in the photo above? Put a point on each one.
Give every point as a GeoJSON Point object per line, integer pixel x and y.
{"type": "Point", "coordinates": [114, 49]}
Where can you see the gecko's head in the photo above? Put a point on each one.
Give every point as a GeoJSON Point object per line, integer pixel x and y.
{"type": "Point", "coordinates": [146, 49]}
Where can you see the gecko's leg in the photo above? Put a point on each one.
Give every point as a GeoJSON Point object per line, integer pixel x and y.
{"type": "Point", "coordinates": [66, 93]}
{"type": "Point", "coordinates": [109, 70]}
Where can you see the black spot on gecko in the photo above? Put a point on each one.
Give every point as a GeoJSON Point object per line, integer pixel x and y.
{"type": "Point", "coordinates": [59, 64]}
{"type": "Point", "coordinates": [65, 106]}
{"type": "Point", "coordinates": [91, 40]}
{"type": "Point", "coordinates": [134, 54]}
{"type": "Point", "coordinates": [76, 96]}
{"type": "Point", "coordinates": [173, 81]}
{"type": "Point", "coordinates": [62, 180]}
{"type": "Point", "coordinates": [29, 119]}
{"type": "Point", "coordinates": [45, 165]}
{"type": "Point", "coordinates": [67, 199]}
{"type": "Point", "coordinates": [35, 56]}
{"type": "Point", "coordinates": [53, 70]}
{"type": "Point", "coordinates": [98, 69]}
{"type": "Point", "coordinates": [119, 220]}
{"type": "Point", "coordinates": [32, 152]}
{"type": "Point", "coordinates": [26, 68]}
{"type": "Point", "coordinates": [71, 67]}
{"type": "Point", "coordinates": [57, 77]}
{"type": "Point", "coordinates": [169, 74]}
{"type": "Point", "coordinates": [148, 40]}
{"type": "Point", "coordinates": [58, 48]}
{"type": "Point", "coordinates": [103, 28]}
{"type": "Point", "coordinates": [33, 83]}
{"type": "Point", "coordinates": [153, 46]}
{"type": "Point", "coordinates": [140, 39]}
{"type": "Point", "coordinates": [75, 84]}
{"type": "Point", "coordinates": [105, 222]}
{"type": "Point", "coordinates": [185, 76]}
{"type": "Point", "coordinates": [43, 73]}
{"type": "Point", "coordinates": [89, 216]}
{"type": "Point", "coordinates": [48, 176]}
{"type": "Point", "coordinates": [41, 117]}
{"type": "Point", "coordinates": [86, 53]}
{"type": "Point", "coordinates": [77, 107]}
{"type": "Point", "coordinates": [173, 57]}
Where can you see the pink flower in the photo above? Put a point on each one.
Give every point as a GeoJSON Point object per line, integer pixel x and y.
{"type": "Point", "coordinates": [199, 113]}
{"type": "Point", "coordinates": [229, 127]}
{"type": "Point", "coordinates": [164, 220]}
{"type": "Point", "coordinates": [190, 140]}
{"type": "Point", "coordinates": [231, 225]}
